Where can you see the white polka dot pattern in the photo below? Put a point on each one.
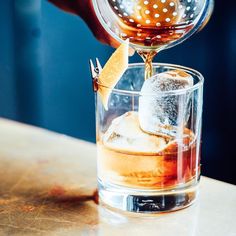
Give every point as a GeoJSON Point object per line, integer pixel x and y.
{"type": "Point", "coordinates": [153, 13]}
{"type": "Point", "coordinates": [151, 22]}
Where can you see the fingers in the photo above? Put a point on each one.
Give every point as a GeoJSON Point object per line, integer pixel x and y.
{"type": "Point", "coordinates": [85, 10]}
{"type": "Point", "coordinates": [68, 6]}
{"type": "Point", "coordinates": [100, 33]}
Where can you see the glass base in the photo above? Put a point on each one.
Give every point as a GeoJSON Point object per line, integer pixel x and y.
{"type": "Point", "coordinates": [147, 201]}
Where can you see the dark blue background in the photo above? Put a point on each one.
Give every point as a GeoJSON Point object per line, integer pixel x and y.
{"type": "Point", "coordinates": [45, 80]}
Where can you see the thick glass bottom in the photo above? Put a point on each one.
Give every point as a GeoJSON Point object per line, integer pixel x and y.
{"type": "Point", "coordinates": [147, 201]}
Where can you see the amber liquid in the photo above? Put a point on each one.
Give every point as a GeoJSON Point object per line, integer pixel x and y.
{"type": "Point", "coordinates": [152, 25]}
{"type": "Point", "coordinates": [154, 39]}
{"type": "Point", "coordinates": [167, 169]}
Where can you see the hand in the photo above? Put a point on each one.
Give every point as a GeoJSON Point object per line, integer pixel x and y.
{"type": "Point", "coordinates": [85, 10]}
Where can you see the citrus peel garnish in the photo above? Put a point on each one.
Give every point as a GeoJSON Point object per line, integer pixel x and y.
{"type": "Point", "coordinates": [112, 72]}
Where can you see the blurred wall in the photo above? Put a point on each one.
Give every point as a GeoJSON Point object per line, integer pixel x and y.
{"type": "Point", "coordinates": [45, 80]}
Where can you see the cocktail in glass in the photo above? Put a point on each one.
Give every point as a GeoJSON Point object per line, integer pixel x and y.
{"type": "Point", "coordinates": [148, 140]}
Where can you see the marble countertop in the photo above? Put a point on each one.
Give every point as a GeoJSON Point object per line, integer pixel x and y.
{"type": "Point", "coordinates": [48, 187]}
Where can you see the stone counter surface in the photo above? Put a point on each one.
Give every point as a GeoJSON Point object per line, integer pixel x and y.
{"type": "Point", "coordinates": [48, 187]}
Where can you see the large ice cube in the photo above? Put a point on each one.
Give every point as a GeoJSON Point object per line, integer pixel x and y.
{"type": "Point", "coordinates": [158, 113]}
{"type": "Point", "coordinates": [124, 134]}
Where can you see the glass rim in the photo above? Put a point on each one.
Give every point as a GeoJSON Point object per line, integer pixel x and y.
{"type": "Point", "coordinates": [169, 92]}
{"type": "Point", "coordinates": [199, 19]}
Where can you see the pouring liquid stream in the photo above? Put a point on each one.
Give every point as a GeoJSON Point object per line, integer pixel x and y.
{"type": "Point", "coordinates": [147, 57]}
{"type": "Point", "coordinates": [154, 25]}
{"type": "Point", "coordinates": [151, 26]}
{"type": "Point", "coordinates": [154, 40]}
